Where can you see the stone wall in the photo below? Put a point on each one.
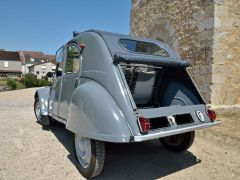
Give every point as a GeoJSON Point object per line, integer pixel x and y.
{"type": "Point", "coordinates": [13, 65]}
{"type": "Point", "coordinates": [226, 53]}
{"type": "Point", "coordinates": [191, 27]}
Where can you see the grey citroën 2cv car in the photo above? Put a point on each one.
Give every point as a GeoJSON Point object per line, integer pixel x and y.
{"type": "Point", "coordinates": [117, 88]}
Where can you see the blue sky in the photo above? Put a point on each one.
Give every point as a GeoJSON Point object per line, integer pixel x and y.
{"type": "Point", "coordinates": [44, 25]}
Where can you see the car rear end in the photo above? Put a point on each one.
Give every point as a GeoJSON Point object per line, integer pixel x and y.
{"type": "Point", "coordinates": [164, 97]}
{"type": "Point", "coordinates": [167, 121]}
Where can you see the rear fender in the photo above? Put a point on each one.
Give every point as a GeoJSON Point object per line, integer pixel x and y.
{"type": "Point", "coordinates": [93, 113]}
{"type": "Point", "coordinates": [43, 94]}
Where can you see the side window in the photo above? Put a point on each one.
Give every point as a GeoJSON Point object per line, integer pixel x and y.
{"type": "Point", "coordinates": [59, 58]}
{"type": "Point", "coordinates": [73, 59]}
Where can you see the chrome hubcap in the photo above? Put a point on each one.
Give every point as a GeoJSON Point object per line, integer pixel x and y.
{"type": "Point", "coordinates": [83, 150]}
{"type": "Point", "coordinates": [38, 111]}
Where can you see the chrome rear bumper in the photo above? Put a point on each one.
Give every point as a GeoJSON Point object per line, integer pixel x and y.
{"type": "Point", "coordinates": [169, 132]}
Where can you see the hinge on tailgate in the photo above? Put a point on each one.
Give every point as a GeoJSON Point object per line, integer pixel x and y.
{"type": "Point", "coordinates": [171, 120]}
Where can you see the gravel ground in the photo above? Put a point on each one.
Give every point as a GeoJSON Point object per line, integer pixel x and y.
{"type": "Point", "coordinates": [28, 151]}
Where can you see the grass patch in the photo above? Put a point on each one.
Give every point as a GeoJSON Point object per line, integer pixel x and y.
{"type": "Point", "coordinates": [20, 85]}
{"type": "Point", "coordinates": [3, 82]}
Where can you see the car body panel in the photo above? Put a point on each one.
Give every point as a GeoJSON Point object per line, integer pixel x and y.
{"type": "Point", "coordinates": [99, 67]}
{"type": "Point", "coordinates": [55, 95]}
{"type": "Point", "coordinates": [172, 110]}
{"type": "Point", "coordinates": [93, 113]}
{"type": "Point", "coordinates": [43, 96]}
{"type": "Point", "coordinates": [68, 86]}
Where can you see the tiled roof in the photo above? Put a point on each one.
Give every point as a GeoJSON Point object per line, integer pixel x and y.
{"type": "Point", "coordinates": [52, 57]}
{"type": "Point", "coordinates": [12, 70]}
{"type": "Point", "coordinates": [38, 56]}
{"type": "Point", "coordinates": [25, 56]}
{"type": "Point", "coordinates": [9, 55]}
{"type": "Point", "coordinates": [33, 53]}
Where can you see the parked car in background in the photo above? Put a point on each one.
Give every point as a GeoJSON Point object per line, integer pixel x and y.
{"type": "Point", "coordinates": [117, 88]}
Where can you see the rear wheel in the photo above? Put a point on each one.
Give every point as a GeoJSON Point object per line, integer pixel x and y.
{"type": "Point", "coordinates": [179, 142]}
{"type": "Point", "coordinates": [181, 95]}
{"type": "Point", "coordinates": [43, 120]}
{"type": "Point", "coordinates": [90, 155]}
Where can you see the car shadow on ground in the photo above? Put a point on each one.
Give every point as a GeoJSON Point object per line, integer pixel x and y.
{"type": "Point", "coordinates": [147, 160]}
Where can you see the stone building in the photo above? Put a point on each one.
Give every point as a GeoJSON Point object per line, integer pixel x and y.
{"type": "Point", "coordinates": [17, 63]}
{"type": "Point", "coordinates": [41, 69]}
{"type": "Point", "coordinates": [10, 64]}
{"type": "Point", "coordinates": [30, 58]}
{"type": "Point", "coordinates": [206, 32]}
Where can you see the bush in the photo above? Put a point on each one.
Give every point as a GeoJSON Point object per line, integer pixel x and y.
{"type": "Point", "coordinates": [42, 82]}
{"type": "Point", "coordinates": [20, 85]}
{"type": "Point", "coordinates": [11, 83]}
{"type": "Point", "coordinates": [30, 80]}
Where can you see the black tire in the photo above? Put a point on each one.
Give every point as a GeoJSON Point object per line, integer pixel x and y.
{"type": "Point", "coordinates": [43, 120]}
{"type": "Point", "coordinates": [178, 143]}
{"type": "Point", "coordinates": [95, 167]}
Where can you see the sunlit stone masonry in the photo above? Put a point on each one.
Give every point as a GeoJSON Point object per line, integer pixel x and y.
{"type": "Point", "coordinates": [206, 32]}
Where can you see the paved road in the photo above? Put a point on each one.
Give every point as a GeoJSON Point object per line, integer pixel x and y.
{"type": "Point", "coordinates": [28, 151]}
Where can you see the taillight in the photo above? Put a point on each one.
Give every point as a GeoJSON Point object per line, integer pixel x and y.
{"type": "Point", "coordinates": [144, 124]}
{"type": "Point", "coordinates": [212, 114]}
{"type": "Point", "coordinates": [82, 46]}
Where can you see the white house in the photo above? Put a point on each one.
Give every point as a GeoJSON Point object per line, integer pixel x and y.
{"type": "Point", "coordinates": [41, 69]}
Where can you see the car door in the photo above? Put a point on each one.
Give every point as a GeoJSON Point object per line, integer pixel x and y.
{"type": "Point", "coordinates": [57, 83]}
{"type": "Point", "coordinates": [70, 79]}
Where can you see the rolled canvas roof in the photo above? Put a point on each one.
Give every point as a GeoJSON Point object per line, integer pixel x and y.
{"type": "Point", "coordinates": [119, 54]}
{"type": "Point", "coordinates": [150, 60]}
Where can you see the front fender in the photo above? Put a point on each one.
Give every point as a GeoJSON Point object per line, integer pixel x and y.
{"type": "Point", "coordinates": [93, 113]}
{"type": "Point", "coordinates": [43, 95]}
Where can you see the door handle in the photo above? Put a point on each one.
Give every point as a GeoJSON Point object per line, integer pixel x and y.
{"type": "Point", "coordinates": [76, 81]}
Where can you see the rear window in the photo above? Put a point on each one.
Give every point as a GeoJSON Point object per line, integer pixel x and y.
{"type": "Point", "coordinates": [143, 47]}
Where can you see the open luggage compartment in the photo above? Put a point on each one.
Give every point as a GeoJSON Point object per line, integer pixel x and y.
{"type": "Point", "coordinates": [153, 87]}
{"type": "Point", "coordinates": [166, 96]}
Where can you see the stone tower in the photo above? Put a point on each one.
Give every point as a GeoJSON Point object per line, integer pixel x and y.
{"type": "Point", "coordinates": [206, 32]}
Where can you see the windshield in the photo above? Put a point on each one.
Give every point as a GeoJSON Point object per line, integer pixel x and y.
{"type": "Point", "coordinates": [143, 47]}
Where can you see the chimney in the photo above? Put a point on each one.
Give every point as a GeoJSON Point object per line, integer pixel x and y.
{"type": "Point", "coordinates": [22, 57]}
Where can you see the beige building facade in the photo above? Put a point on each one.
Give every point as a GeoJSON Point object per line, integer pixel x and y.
{"type": "Point", "coordinates": [206, 32]}
{"type": "Point", "coordinates": [10, 64]}
{"type": "Point", "coordinates": [41, 69]}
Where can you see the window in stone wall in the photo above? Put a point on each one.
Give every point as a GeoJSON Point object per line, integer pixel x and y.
{"type": "Point", "coordinates": [5, 64]}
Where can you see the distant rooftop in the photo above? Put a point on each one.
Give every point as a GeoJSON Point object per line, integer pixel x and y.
{"type": "Point", "coordinates": [9, 55]}
{"type": "Point", "coordinates": [29, 57]}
